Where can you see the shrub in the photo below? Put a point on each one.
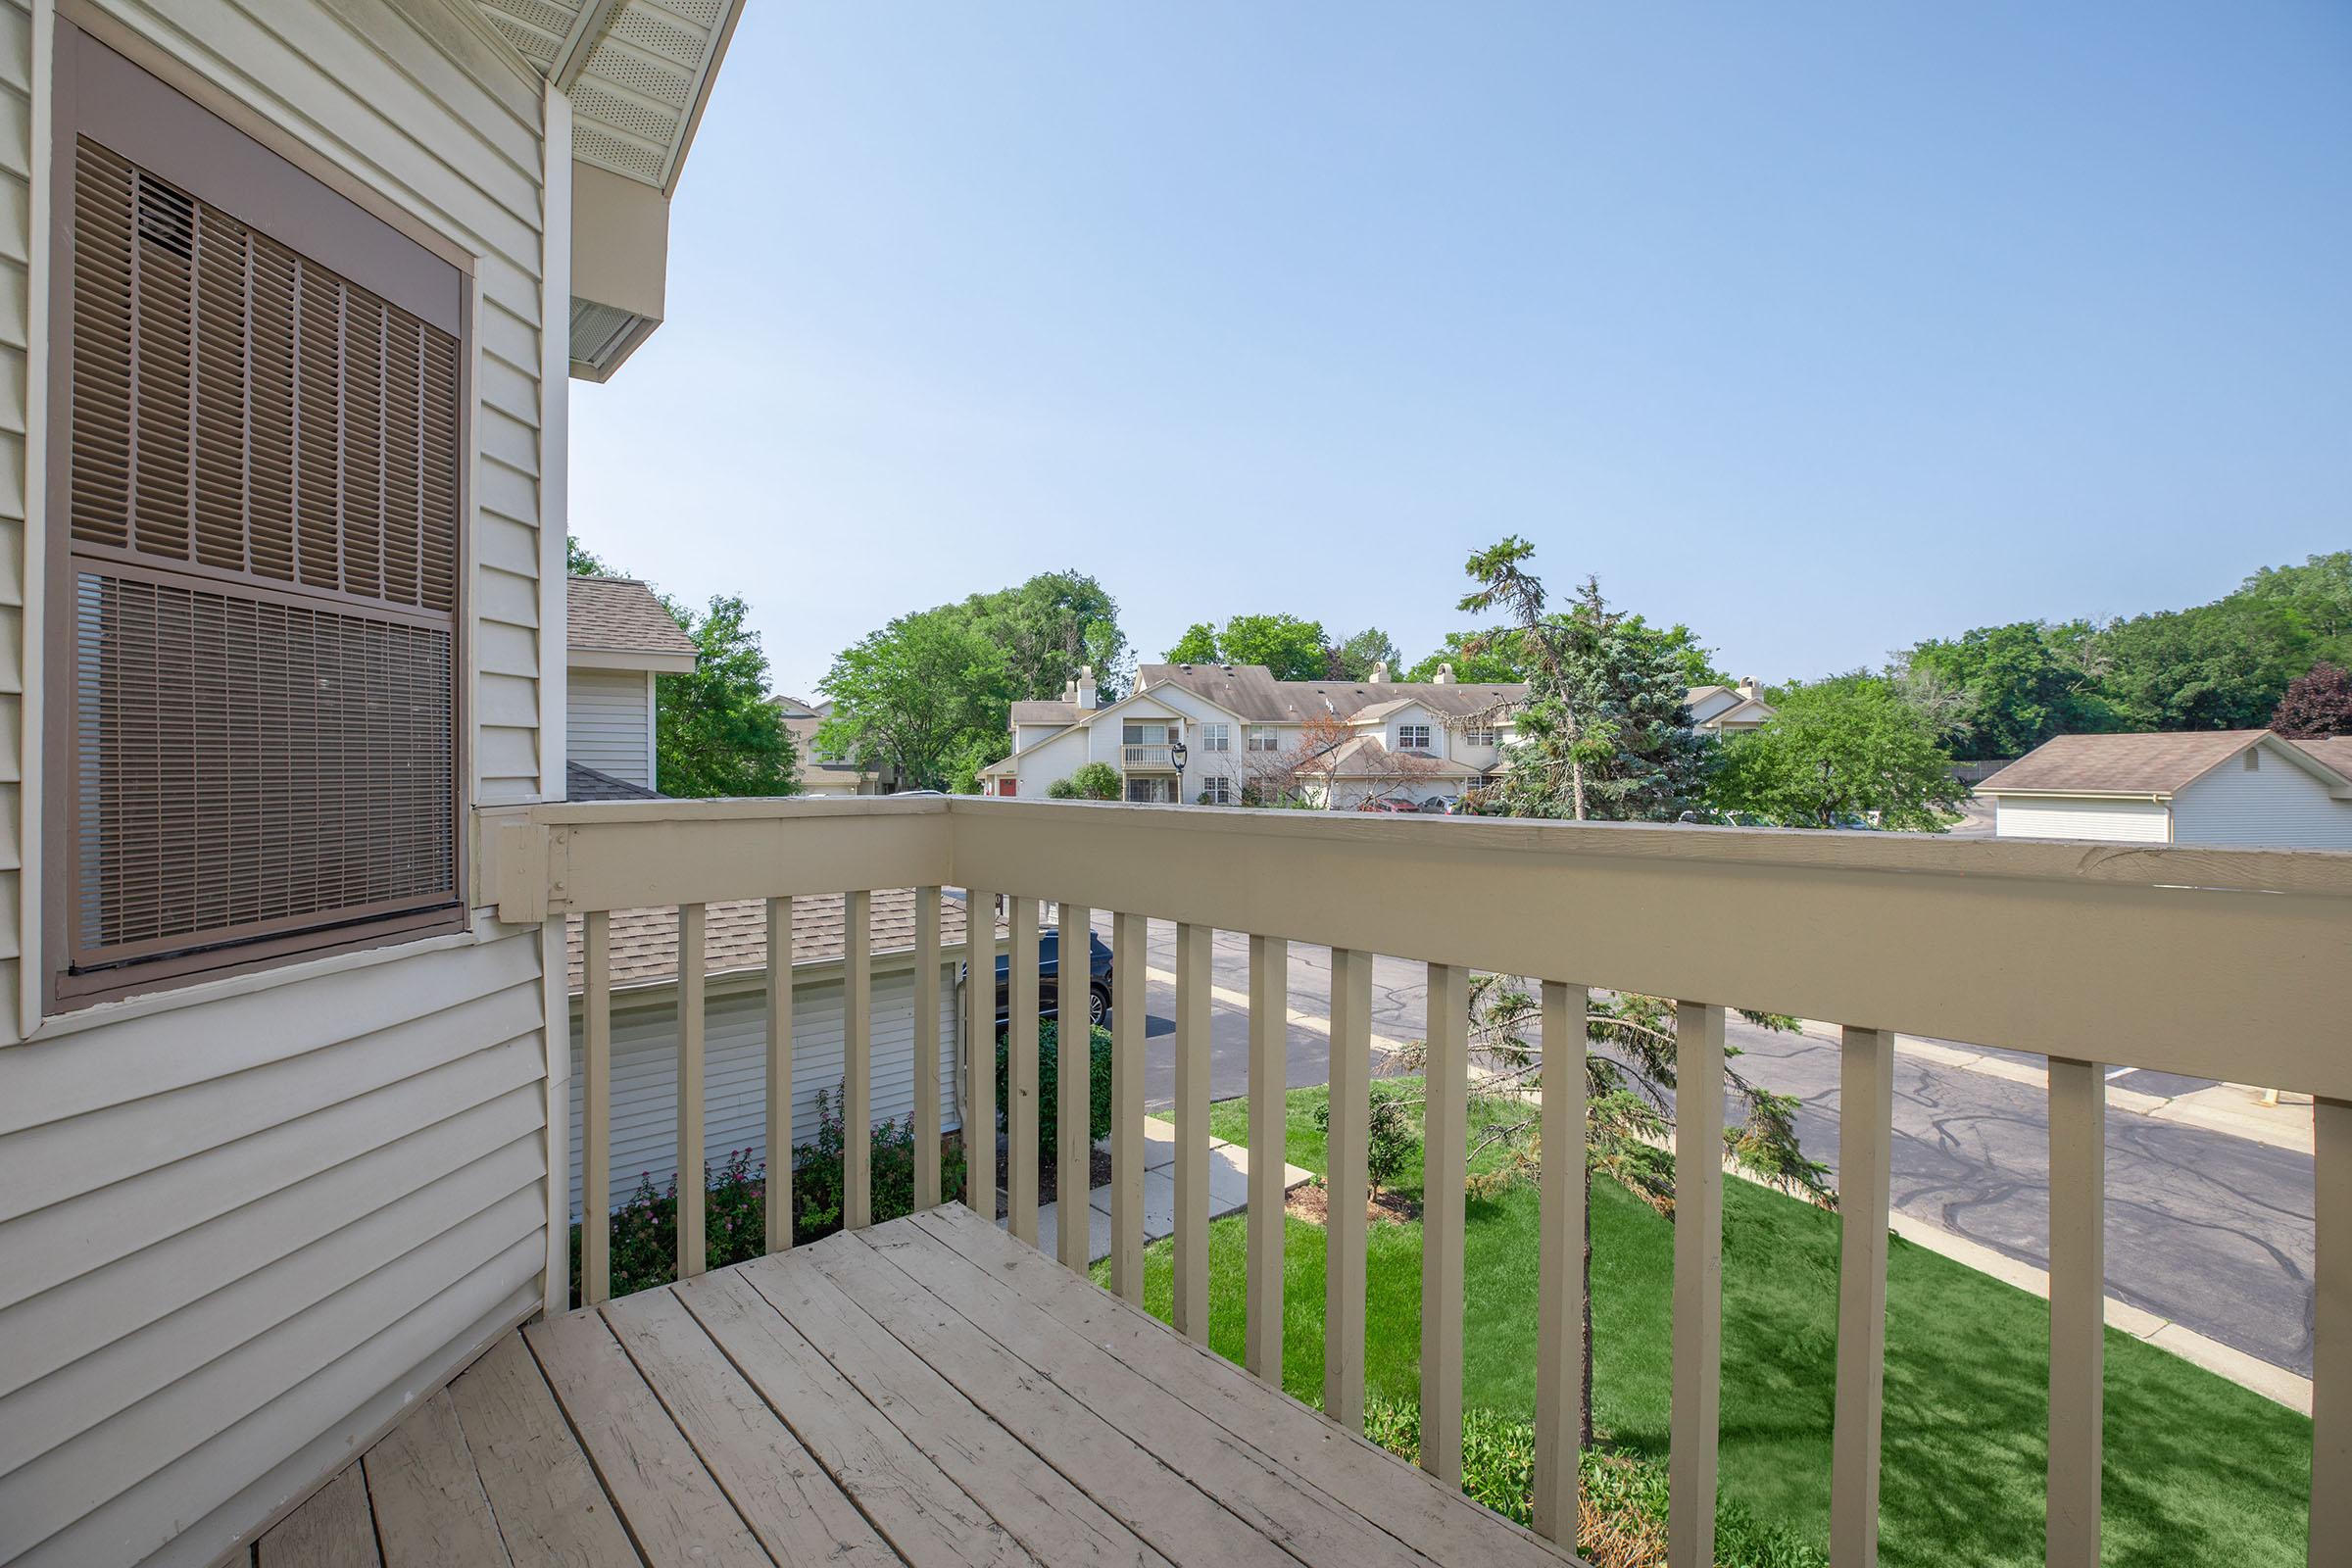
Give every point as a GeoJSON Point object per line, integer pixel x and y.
{"type": "Point", "coordinates": [645, 1229]}
{"type": "Point", "coordinates": [1062, 788]}
{"type": "Point", "coordinates": [1098, 781]}
{"type": "Point", "coordinates": [1622, 1523]}
{"type": "Point", "coordinates": [1393, 1140]}
{"type": "Point", "coordinates": [1049, 1087]}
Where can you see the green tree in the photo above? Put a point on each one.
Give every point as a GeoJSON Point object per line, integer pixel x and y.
{"type": "Point", "coordinates": [2318, 592]}
{"type": "Point", "coordinates": [1838, 749]}
{"type": "Point", "coordinates": [716, 731]}
{"type": "Point", "coordinates": [924, 695]}
{"type": "Point", "coordinates": [1693, 664]}
{"type": "Point", "coordinates": [1293, 649]}
{"type": "Point", "coordinates": [2021, 684]}
{"type": "Point", "coordinates": [582, 562]}
{"type": "Point", "coordinates": [1198, 645]}
{"type": "Point", "coordinates": [1604, 733]}
{"type": "Point", "coordinates": [2223, 666]}
{"type": "Point", "coordinates": [1047, 627]}
{"type": "Point", "coordinates": [1487, 657]}
{"type": "Point", "coordinates": [1355, 658]}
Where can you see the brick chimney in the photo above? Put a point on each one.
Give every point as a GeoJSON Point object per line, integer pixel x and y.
{"type": "Point", "coordinates": [1085, 687]}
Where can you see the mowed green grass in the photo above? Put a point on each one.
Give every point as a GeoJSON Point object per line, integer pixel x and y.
{"type": "Point", "coordinates": [2197, 1469]}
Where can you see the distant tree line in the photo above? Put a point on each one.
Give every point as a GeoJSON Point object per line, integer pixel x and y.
{"type": "Point", "coordinates": [2000, 691]}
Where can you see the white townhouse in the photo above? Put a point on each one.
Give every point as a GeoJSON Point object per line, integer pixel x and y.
{"type": "Point", "coordinates": [2244, 788]}
{"type": "Point", "coordinates": [1728, 709]}
{"type": "Point", "coordinates": [1341, 744]}
{"type": "Point", "coordinates": [620, 638]}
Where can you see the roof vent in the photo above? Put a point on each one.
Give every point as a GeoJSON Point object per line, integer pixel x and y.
{"type": "Point", "coordinates": [1187, 668]}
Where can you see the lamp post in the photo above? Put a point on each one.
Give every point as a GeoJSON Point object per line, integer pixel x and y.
{"type": "Point", "coordinates": [1177, 754]}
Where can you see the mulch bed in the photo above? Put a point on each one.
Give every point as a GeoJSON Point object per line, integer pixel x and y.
{"type": "Point", "coordinates": [1048, 1178]}
{"type": "Point", "coordinates": [1311, 1202]}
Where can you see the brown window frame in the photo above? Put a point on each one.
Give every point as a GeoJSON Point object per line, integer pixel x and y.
{"type": "Point", "coordinates": [102, 97]}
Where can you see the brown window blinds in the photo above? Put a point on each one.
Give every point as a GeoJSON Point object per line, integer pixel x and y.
{"type": "Point", "coordinates": [261, 518]}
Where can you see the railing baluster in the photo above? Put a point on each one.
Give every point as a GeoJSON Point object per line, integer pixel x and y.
{"type": "Point", "coordinates": [1693, 1424]}
{"type": "Point", "coordinates": [1021, 1080]}
{"type": "Point", "coordinates": [1074, 1050]}
{"type": "Point", "coordinates": [1446, 1171]}
{"type": "Point", "coordinates": [927, 1118]}
{"type": "Point", "coordinates": [1560, 1265]}
{"type": "Point", "coordinates": [2077, 1307]}
{"type": "Point", "coordinates": [1865, 1139]}
{"type": "Point", "coordinates": [1269, 1040]}
{"type": "Point", "coordinates": [2332, 1333]}
{"type": "Point", "coordinates": [1192, 1131]}
{"type": "Point", "coordinates": [692, 1186]}
{"type": "Point", "coordinates": [777, 1201]}
{"type": "Point", "coordinates": [1128, 960]}
{"type": "Point", "coordinates": [1349, 1190]}
{"type": "Point", "coordinates": [596, 1108]}
{"type": "Point", "coordinates": [980, 1052]}
{"type": "Point", "coordinates": [857, 1060]}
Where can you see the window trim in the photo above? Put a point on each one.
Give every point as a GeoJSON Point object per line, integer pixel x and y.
{"type": "Point", "coordinates": [1216, 737]}
{"type": "Point", "coordinates": [1252, 734]}
{"type": "Point", "coordinates": [1424, 731]}
{"type": "Point", "coordinates": [269, 183]}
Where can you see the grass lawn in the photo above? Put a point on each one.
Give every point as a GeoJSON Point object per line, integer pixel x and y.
{"type": "Point", "coordinates": [2198, 1470]}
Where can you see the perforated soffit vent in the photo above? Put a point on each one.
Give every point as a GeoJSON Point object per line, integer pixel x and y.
{"type": "Point", "coordinates": [602, 336]}
{"type": "Point", "coordinates": [633, 104]}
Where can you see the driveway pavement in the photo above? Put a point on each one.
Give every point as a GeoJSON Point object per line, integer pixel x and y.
{"type": "Point", "coordinates": [2209, 1230]}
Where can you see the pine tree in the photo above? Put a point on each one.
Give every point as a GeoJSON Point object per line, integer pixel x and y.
{"type": "Point", "coordinates": [1603, 733]}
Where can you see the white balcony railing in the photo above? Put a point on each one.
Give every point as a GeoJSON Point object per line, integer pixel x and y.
{"type": "Point", "coordinates": [1155, 757]}
{"type": "Point", "coordinates": [2215, 964]}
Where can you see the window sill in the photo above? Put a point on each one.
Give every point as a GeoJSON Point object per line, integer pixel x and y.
{"type": "Point", "coordinates": [482, 926]}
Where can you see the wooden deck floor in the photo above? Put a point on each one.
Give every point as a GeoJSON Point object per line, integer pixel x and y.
{"type": "Point", "coordinates": [929, 1392]}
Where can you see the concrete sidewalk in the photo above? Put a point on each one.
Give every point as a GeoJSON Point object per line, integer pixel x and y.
{"type": "Point", "coordinates": [1228, 1190]}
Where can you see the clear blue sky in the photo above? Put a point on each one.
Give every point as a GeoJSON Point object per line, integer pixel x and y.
{"type": "Point", "coordinates": [1822, 328]}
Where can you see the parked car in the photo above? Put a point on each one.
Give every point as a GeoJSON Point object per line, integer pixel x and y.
{"type": "Point", "coordinates": [1048, 979]}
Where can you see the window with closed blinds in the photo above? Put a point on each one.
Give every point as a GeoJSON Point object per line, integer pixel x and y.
{"type": "Point", "coordinates": [261, 585]}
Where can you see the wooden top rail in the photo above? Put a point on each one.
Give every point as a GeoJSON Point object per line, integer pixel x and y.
{"type": "Point", "coordinates": [2209, 962]}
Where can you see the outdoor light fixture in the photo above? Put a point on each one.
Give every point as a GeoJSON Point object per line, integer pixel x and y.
{"type": "Point", "coordinates": [1177, 754]}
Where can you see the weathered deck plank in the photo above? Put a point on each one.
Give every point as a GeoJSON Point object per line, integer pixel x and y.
{"type": "Point", "coordinates": [430, 1509]}
{"type": "Point", "coordinates": [1418, 1510]}
{"type": "Point", "coordinates": [332, 1530]}
{"type": "Point", "coordinates": [1177, 1519]}
{"type": "Point", "coordinates": [548, 1504]}
{"type": "Point", "coordinates": [1057, 1522]}
{"type": "Point", "coordinates": [1278, 1504]}
{"type": "Point", "coordinates": [928, 1519]}
{"type": "Point", "coordinates": [674, 1510]}
{"type": "Point", "coordinates": [782, 1493]}
{"type": "Point", "coordinates": [928, 1392]}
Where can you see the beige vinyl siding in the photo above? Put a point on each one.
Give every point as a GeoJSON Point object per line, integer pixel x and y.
{"type": "Point", "coordinates": [200, 1220]}
{"type": "Point", "coordinates": [609, 713]}
{"type": "Point", "coordinates": [15, 247]}
{"type": "Point", "coordinates": [2274, 807]}
{"type": "Point", "coordinates": [645, 1067]}
{"type": "Point", "coordinates": [2109, 822]}
{"type": "Point", "coordinates": [243, 1232]}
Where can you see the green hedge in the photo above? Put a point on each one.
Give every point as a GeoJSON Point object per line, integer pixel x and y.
{"type": "Point", "coordinates": [1049, 1087]}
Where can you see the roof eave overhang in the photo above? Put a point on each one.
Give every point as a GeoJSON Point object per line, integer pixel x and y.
{"type": "Point", "coordinates": [2158, 797]}
{"type": "Point", "coordinates": [629, 659]}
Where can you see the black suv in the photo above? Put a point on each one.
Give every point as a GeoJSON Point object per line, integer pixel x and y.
{"type": "Point", "coordinates": [1048, 979]}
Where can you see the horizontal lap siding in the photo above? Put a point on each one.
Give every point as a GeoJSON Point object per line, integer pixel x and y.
{"type": "Point", "coordinates": [15, 247]}
{"type": "Point", "coordinates": [2274, 806]}
{"type": "Point", "coordinates": [608, 714]}
{"type": "Point", "coordinates": [2110, 821]}
{"type": "Point", "coordinates": [242, 1236]}
{"type": "Point", "coordinates": [645, 1071]}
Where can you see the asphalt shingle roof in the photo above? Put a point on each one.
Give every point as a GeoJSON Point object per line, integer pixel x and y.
{"type": "Point", "coordinates": [582, 783]}
{"type": "Point", "coordinates": [645, 941]}
{"type": "Point", "coordinates": [621, 616]}
{"type": "Point", "coordinates": [2127, 764]}
{"type": "Point", "coordinates": [1252, 692]}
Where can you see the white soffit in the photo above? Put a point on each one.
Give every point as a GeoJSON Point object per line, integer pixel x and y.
{"type": "Point", "coordinates": [638, 72]}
